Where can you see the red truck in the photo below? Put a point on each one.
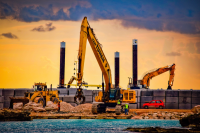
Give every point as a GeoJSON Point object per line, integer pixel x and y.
{"type": "Point", "coordinates": [154, 104]}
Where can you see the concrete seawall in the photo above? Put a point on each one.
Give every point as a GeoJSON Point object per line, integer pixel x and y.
{"type": "Point", "coordinates": [173, 99]}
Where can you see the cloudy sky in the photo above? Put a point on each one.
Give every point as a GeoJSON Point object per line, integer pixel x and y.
{"type": "Point", "coordinates": [31, 31]}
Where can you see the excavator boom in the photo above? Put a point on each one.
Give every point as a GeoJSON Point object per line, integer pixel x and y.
{"type": "Point", "coordinates": [87, 33]}
{"type": "Point", "coordinates": [146, 79]}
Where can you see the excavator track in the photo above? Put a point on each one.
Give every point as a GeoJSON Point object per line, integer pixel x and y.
{"type": "Point", "coordinates": [118, 109]}
{"type": "Point", "coordinates": [94, 108]}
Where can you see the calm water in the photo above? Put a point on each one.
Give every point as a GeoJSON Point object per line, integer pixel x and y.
{"type": "Point", "coordinates": [82, 126]}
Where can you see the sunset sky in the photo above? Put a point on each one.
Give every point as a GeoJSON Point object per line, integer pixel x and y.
{"type": "Point", "coordinates": [31, 31]}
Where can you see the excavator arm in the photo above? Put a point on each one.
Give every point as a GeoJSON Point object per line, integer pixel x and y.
{"type": "Point", "coordinates": [146, 79]}
{"type": "Point", "coordinates": [71, 81]}
{"type": "Point", "coordinates": [87, 33]}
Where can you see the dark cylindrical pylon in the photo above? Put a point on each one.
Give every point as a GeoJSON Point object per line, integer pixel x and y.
{"type": "Point", "coordinates": [116, 69]}
{"type": "Point", "coordinates": [135, 65]}
{"type": "Point", "coordinates": [62, 64]}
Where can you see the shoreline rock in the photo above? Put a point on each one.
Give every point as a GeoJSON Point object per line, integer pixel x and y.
{"type": "Point", "coordinates": [13, 115]}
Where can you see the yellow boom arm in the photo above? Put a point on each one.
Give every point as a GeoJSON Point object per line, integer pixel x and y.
{"type": "Point", "coordinates": [87, 33]}
{"type": "Point", "coordinates": [146, 79]}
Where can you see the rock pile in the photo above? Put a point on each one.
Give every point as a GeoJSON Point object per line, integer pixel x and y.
{"type": "Point", "coordinates": [13, 115]}
{"type": "Point", "coordinates": [32, 106]}
{"type": "Point", "coordinates": [18, 106]}
{"type": "Point", "coordinates": [196, 109]}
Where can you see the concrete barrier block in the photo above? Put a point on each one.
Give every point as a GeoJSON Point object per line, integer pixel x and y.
{"type": "Point", "coordinates": [147, 93]}
{"type": "Point", "coordinates": [159, 98]}
{"type": "Point", "coordinates": [146, 99]}
{"type": "Point", "coordinates": [185, 106]}
{"type": "Point", "coordinates": [6, 104]}
{"type": "Point", "coordinates": [138, 92]}
{"type": "Point", "coordinates": [8, 92]}
{"type": "Point", "coordinates": [185, 93]}
{"type": "Point", "coordinates": [171, 105]}
{"type": "Point", "coordinates": [137, 99]}
{"type": "Point", "coordinates": [62, 95]}
{"type": "Point", "coordinates": [171, 93]}
{"type": "Point", "coordinates": [88, 99]}
{"type": "Point", "coordinates": [1, 92]}
{"type": "Point", "coordinates": [195, 100]}
{"type": "Point", "coordinates": [159, 93]}
{"type": "Point", "coordinates": [138, 105]}
{"type": "Point", "coordinates": [132, 106]}
{"type": "Point", "coordinates": [87, 92]}
{"type": "Point", "coordinates": [63, 91]}
{"type": "Point", "coordinates": [184, 100]}
{"type": "Point", "coordinates": [72, 91]}
{"type": "Point", "coordinates": [1, 99]}
{"type": "Point", "coordinates": [30, 90]}
{"type": "Point", "coordinates": [196, 93]}
{"type": "Point", "coordinates": [95, 91]}
{"type": "Point", "coordinates": [141, 104]}
{"type": "Point", "coordinates": [171, 100]}
{"type": "Point", "coordinates": [68, 99]}
{"type": "Point", "coordinates": [7, 98]}
{"type": "Point", "coordinates": [19, 92]}
{"type": "Point", "coordinates": [61, 98]}
{"type": "Point", "coordinates": [1, 105]}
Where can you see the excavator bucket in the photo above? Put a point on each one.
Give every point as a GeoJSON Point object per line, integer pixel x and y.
{"type": "Point", "coordinates": [18, 100]}
{"type": "Point", "coordinates": [79, 97]}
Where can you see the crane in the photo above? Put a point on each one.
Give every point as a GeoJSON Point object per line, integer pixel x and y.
{"type": "Point", "coordinates": [146, 79]}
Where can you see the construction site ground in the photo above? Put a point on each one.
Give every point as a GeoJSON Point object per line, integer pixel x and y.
{"type": "Point", "coordinates": [110, 114]}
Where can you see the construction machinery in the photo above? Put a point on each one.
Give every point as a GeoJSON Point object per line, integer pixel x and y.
{"type": "Point", "coordinates": [40, 95]}
{"type": "Point", "coordinates": [145, 82]}
{"type": "Point", "coordinates": [109, 96]}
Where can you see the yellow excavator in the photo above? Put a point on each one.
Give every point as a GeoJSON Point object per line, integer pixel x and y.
{"type": "Point", "coordinates": [109, 96]}
{"type": "Point", "coordinates": [145, 82]}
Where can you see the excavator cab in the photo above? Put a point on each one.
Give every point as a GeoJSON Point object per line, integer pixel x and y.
{"type": "Point", "coordinates": [115, 94]}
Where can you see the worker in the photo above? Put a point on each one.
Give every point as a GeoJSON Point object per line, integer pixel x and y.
{"type": "Point", "coordinates": [126, 109]}
{"type": "Point", "coordinates": [118, 102]}
{"type": "Point", "coordinates": [58, 106]}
